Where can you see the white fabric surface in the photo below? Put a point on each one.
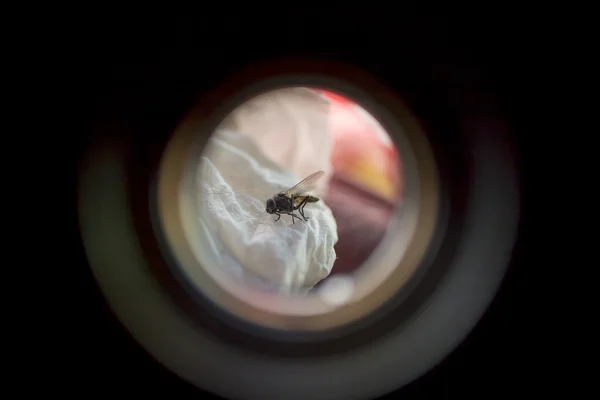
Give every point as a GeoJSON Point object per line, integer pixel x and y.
{"type": "Point", "coordinates": [235, 180]}
{"type": "Point", "coordinates": [291, 126]}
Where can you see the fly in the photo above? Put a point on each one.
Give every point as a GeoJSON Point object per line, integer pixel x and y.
{"type": "Point", "coordinates": [294, 199]}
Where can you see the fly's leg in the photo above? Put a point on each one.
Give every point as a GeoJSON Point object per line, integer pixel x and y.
{"type": "Point", "coordinates": [301, 208]}
{"type": "Point", "coordinates": [302, 212]}
{"type": "Point", "coordinates": [293, 216]}
{"type": "Point", "coordinates": [278, 217]}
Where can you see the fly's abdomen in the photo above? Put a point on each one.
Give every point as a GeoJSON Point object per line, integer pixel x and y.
{"type": "Point", "coordinates": [299, 200]}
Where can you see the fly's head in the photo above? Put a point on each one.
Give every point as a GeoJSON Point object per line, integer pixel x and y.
{"type": "Point", "coordinates": [270, 206]}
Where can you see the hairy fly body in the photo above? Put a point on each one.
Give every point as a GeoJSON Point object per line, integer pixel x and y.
{"type": "Point", "coordinates": [294, 199]}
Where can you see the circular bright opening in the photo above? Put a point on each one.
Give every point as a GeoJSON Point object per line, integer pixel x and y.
{"type": "Point", "coordinates": [282, 156]}
{"type": "Point", "coordinates": [300, 256]}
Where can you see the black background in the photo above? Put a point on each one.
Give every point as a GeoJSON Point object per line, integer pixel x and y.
{"type": "Point", "coordinates": [163, 55]}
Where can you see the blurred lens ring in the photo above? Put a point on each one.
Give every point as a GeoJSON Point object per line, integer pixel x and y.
{"type": "Point", "coordinates": [413, 134]}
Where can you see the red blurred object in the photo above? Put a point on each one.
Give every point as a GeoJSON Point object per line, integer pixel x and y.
{"type": "Point", "coordinates": [336, 98]}
{"type": "Point", "coordinates": [360, 153]}
{"type": "Point", "coordinates": [365, 183]}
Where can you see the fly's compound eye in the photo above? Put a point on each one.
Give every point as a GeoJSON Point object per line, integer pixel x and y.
{"type": "Point", "coordinates": [270, 206]}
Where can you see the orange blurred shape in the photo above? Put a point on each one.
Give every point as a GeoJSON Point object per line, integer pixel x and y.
{"type": "Point", "coordinates": [358, 152]}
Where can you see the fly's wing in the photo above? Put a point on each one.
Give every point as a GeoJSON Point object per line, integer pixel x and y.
{"type": "Point", "coordinates": [305, 185]}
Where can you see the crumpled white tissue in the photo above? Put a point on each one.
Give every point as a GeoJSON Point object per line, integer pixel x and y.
{"type": "Point", "coordinates": [291, 126]}
{"type": "Point", "coordinates": [235, 179]}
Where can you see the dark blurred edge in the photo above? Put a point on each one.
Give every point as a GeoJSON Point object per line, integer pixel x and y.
{"type": "Point", "coordinates": [104, 359]}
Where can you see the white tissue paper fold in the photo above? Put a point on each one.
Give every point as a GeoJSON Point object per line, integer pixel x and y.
{"type": "Point", "coordinates": [235, 179]}
{"type": "Point", "coordinates": [254, 153]}
{"type": "Point", "coordinates": [291, 126]}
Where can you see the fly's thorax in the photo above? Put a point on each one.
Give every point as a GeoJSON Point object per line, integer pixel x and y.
{"type": "Point", "coordinates": [282, 202]}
